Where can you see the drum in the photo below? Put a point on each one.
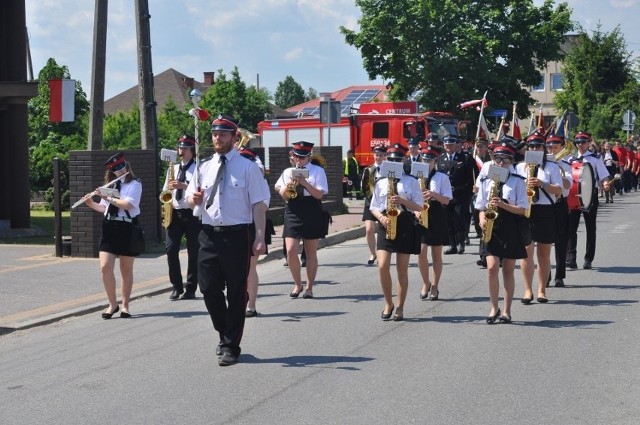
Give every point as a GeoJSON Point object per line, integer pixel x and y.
{"type": "Point", "coordinates": [583, 187]}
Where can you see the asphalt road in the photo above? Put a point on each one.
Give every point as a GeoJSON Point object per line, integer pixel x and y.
{"type": "Point", "coordinates": [332, 360]}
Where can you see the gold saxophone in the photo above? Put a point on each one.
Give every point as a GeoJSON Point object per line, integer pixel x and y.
{"type": "Point", "coordinates": [491, 214]}
{"type": "Point", "coordinates": [424, 213]}
{"type": "Point", "coordinates": [166, 198]}
{"type": "Point", "coordinates": [530, 190]}
{"type": "Point", "coordinates": [392, 209]}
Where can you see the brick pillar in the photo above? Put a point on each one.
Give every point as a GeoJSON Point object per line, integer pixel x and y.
{"type": "Point", "coordinates": [86, 172]}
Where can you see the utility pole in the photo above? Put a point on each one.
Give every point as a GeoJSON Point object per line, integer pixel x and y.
{"type": "Point", "coordinates": [96, 103]}
{"type": "Point", "coordinates": [145, 77]}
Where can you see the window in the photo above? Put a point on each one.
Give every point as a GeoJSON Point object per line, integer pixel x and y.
{"type": "Point", "coordinates": [557, 81]}
{"type": "Point", "coordinates": [380, 130]}
{"type": "Point", "coordinates": [539, 87]}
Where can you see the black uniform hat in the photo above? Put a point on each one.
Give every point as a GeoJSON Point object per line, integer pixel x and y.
{"type": "Point", "coordinates": [379, 149]}
{"type": "Point", "coordinates": [302, 148]}
{"type": "Point", "coordinates": [582, 136]}
{"type": "Point", "coordinates": [414, 141]}
{"type": "Point", "coordinates": [504, 148]}
{"type": "Point", "coordinates": [535, 139]}
{"type": "Point", "coordinates": [116, 162]}
{"type": "Point", "coordinates": [450, 140]}
{"type": "Point", "coordinates": [224, 123]}
{"type": "Point", "coordinates": [396, 153]}
{"type": "Point", "coordinates": [431, 152]}
{"type": "Point", "coordinates": [433, 137]}
{"type": "Point", "coordinates": [186, 141]}
{"type": "Point", "coordinates": [555, 140]}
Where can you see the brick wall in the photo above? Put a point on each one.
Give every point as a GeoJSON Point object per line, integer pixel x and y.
{"type": "Point", "coordinates": [86, 172]}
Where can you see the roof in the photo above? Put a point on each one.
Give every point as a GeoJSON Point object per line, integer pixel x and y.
{"type": "Point", "coordinates": [168, 84]}
{"type": "Point", "coordinates": [347, 97]}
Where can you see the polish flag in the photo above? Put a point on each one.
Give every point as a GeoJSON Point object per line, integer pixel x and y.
{"type": "Point", "coordinates": [62, 100]}
{"type": "Point", "coordinates": [474, 102]}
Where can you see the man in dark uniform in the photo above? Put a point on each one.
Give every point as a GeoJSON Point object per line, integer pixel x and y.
{"type": "Point", "coordinates": [183, 223]}
{"type": "Point", "coordinates": [231, 198]}
{"type": "Point", "coordinates": [459, 167]}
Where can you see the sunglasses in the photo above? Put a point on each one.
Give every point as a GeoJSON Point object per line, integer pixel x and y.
{"type": "Point", "coordinates": [536, 146]}
{"type": "Point", "coordinates": [499, 160]}
{"type": "Point", "coordinates": [581, 141]}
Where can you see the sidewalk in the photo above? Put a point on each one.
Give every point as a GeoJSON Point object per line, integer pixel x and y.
{"type": "Point", "coordinates": [39, 288]}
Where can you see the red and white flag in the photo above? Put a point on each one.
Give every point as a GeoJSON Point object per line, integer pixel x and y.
{"type": "Point", "coordinates": [515, 128]}
{"type": "Point", "coordinates": [62, 100]}
{"type": "Point", "coordinates": [474, 102]}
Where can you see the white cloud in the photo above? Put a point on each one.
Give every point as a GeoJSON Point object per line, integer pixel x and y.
{"type": "Point", "coordinates": [294, 53]}
{"type": "Point", "coordinates": [624, 3]}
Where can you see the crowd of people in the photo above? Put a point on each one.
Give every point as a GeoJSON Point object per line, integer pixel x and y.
{"type": "Point", "coordinates": [517, 195]}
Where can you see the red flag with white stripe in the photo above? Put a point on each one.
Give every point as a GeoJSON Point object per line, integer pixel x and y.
{"type": "Point", "coordinates": [62, 100]}
{"type": "Point", "coordinates": [474, 102]}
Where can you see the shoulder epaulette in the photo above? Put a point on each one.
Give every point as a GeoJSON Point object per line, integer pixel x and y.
{"type": "Point", "coordinates": [206, 159]}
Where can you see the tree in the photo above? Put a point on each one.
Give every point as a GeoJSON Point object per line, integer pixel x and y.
{"type": "Point", "coordinates": [289, 93]}
{"type": "Point", "coordinates": [455, 50]}
{"type": "Point", "coordinates": [231, 96]}
{"type": "Point", "coordinates": [599, 83]}
{"type": "Point", "coordinates": [173, 123]}
{"type": "Point", "coordinates": [48, 140]}
{"type": "Point", "coordinates": [312, 94]}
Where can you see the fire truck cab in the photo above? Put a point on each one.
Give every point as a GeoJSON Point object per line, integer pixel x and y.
{"type": "Point", "coordinates": [372, 124]}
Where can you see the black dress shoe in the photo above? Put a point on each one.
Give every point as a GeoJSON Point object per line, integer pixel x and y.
{"type": "Point", "coordinates": [227, 359]}
{"type": "Point", "coordinates": [125, 315]}
{"type": "Point", "coordinates": [461, 249]}
{"type": "Point", "coordinates": [371, 261]}
{"type": "Point", "coordinates": [295, 294]}
{"type": "Point", "coordinates": [189, 295]}
{"type": "Point", "coordinates": [572, 265]}
{"type": "Point", "coordinates": [387, 316]}
{"type": "Point", "coordinates": [559, 283]}
{"type": "Point", "coordinates": [542, 300]}
{"type": "Point", "coordinates": [482, 263]}
{"type": "Point", "coordinates": [492, 319]}
{"type": "Point", "coordinates": [398, 317]}
{"type": "Point", "coordinates": [175, 294]}
{"type": "Point", "coordinates": [109, 315]}
{"type": "Point", "coordinates": [527, 300]}
{"type": "Point", "coordinates": [219, 350]}
{"type": "Point", "coordinates": [587, 265]}
{"type": "Point", "coordinates": [451, 250]}
{"type": "Point", "coordinates": [504, 319]}
{"type": "Point", "coordinates": [250, 313]}
{"type": "Point", "coordinates": [467, 241]}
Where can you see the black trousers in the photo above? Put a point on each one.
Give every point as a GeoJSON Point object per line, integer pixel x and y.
{"type": "Point", "coordinates": [223, 263]}
{"type": "Point", "coordinates": [459, 217]}
{"type": "Point", "coordinates": [590, 227]}
{"type": "Point", "coordinates": [183, 223]}
{"type": "Point", "coordinates": [562, 226]}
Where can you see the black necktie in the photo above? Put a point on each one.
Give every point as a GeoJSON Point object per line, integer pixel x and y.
{"type": "Point", "coordinates": [182, 176]}
{"type": "Point", "coordinates": [216, 183]}
{"type": "Point", "coordinates": [113, 210]}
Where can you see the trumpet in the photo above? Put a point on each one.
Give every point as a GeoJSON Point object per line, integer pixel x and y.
{"type": "Point", "coordinates": [491, 214]}
{"type": "Point", "coordinates": [90, 194]}
{"type": "Point", "coordinates": [291, 190]}
{"type": "Point", "coordinates": [568, 148]}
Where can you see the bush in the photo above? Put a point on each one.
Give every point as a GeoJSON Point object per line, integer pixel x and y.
{"type": "Point", "coordinates": [65, 201]}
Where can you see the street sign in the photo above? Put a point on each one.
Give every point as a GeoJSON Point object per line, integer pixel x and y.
{"type": "Point", "coordinates": [497, 113]}
{"type": "Point", "coordinates": [627, 127]}
{"type": "Point", "coordinates": [629, 117]}
{"type": "Point", "coordinates": [330, 112]}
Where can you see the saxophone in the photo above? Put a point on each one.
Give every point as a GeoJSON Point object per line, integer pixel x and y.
{"type": "Point", "coordinates": [424, 214]}
{"type": "Point", "coordinates": [392, 209]}
{"type": "Point", "coordinates": [166, 198]}
{"type": "Point", "coordinates": [530, 190]}
{"type": "Point", "coordinates": [491, 214]}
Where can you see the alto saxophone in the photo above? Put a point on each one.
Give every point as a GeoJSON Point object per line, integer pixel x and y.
{"type": "Point", "coordinates": [166, 198]}
{"type": "Point", "coordinates": [392, 209]}
{"type": "Point", "coordinates": [491, 214]}
{"type": "Point", "coordinates": [530, 190]}
{"type": "Point", "coordinates": [424, 213]}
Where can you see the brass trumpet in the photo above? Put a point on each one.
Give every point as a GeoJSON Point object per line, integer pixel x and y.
{"type": "Point", "coordinates": [291, 190]}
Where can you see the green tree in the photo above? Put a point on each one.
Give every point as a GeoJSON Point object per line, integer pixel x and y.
{"type": "Point", "coordinates": [289, 93]}
{"type": "Point", "coordinates": [173, 123]}
{"type": "Point", "coordinates": [122, 130]}
{"type": "Point", "coordinates": [48, 140]}
{"type": "Point", "coordinates": [233, 97]}
{"type": "Point", "coordinates": [599, 83]}
{"type": "Point", "coordinates": [455, 50]}
{"type": "Point", "coordinates": [311, 94]}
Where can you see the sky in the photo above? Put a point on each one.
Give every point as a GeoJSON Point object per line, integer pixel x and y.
{"type": "Point", "coordinates": [266, 39]}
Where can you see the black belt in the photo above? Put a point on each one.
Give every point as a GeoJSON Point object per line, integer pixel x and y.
{"type": "Point", "coordinates": [232, 228]}
{"type": "Point", "coordinates": [125, 219]}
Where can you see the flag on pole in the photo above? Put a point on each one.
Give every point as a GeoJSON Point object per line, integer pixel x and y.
{"type": "Point", "coordinates": [560, 124]}
{"type": "Point", "coordinates": [474, 102]}
{"type": "Point", "coordinates": [484, 130]}
{"type": "Point", "coordinates": [62, 100]}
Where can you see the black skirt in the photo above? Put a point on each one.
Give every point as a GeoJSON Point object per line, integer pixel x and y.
{"type": "Point", "coordinates": [407, 239]}
{"type": "Point", "coordinates": [116, 237]}
{"type": "Point", "coordinates": [304, 219]}
{"type": "Point", "coordinates": [366, 214]}
{"type": "Point", "coordinates": [507, 236]}
{"type": "Point", "coordinates": [543, 223]}
{"type": "Point", "coordinates": [437, 234]}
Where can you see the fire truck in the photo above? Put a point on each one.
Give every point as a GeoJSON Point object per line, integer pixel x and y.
{"type": "Point", "coordinates": [370, 125]}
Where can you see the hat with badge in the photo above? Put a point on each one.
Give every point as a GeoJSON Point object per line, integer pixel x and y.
{"type": "Point", "coordinates": [450, 140]}
{"type": "Point", "coordinates": [396, 153]}
{"type": "Point", "coordinates": [433, 137]}
{"type": "Point", "coordinates": [302, 148]}
{"type": "Point", "coordinates": [504, 148]}
{"type": "Point", "coordinates": [555, 140]}
{"type": "Point", "coordinates": [582, 136]}
{"type": "Point", "coordinates": [414, 142]}
{"type": "Point", "coordinates": [431, 152]}
{"type": "Point", "coordinates": [186, 141]}
{"type": "Point", "coordinates": [116, 162]}
{"type": "Point", "coordinates": [535, 139]}
{"type": "Point", "coordinates": [379, 149]}
{"type": "Point", "coordinates": [248, 153]}
{"type": "Point", "coordinates": [224, 123]}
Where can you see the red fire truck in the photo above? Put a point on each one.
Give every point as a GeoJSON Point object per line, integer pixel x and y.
{"type": "Point", "coordinates": [372, 124]}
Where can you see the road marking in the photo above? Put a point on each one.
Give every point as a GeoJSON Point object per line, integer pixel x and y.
{"type": "Point", "coordinates": [621, 228]}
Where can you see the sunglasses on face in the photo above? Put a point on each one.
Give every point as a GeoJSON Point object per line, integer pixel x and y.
{"type": "Point", "coordinates": [581, 141]}
{"type": "Point", "coordinates": [536, 146]}
{"type": "Point", "coordinates": [499, 160]}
